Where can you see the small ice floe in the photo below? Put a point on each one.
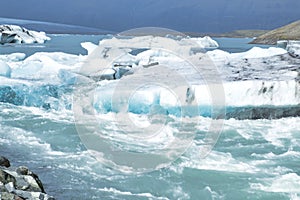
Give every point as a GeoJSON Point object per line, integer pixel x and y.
{"type": "Point", "coordinates": [17, 34]}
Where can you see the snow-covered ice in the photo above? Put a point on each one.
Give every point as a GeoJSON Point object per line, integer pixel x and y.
{"type": "Point", "coordinates": [293, 47]}
{"type": "Point", "coordinates": [5, 69]}
{"type": "Point", "coordinates": [17, 34]}
{"type": "Point", "coordinates": [49, 74]}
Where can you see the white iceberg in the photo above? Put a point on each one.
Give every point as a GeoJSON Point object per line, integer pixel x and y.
{"type": "Point", "coordinates": [257, 63]}
{"type": "Point", "coordinates": [14, 57]}
{"type": "Point", "coordinates": [293, 47]}
{"type": "Point", "coordinates": [45, 66]}
{"type": "Point", "coordinates": [5, 69]}
{"type": "Point", "coordinates": [44, 79]}
{"type": "Point", "coordinates": [17, 34]}
{"type": "Point", "coordinates": [89, 46]}
{"type": "Point", "coordinates": [206, 42]}
{"type": "Point", "coordinates": [255, 52]}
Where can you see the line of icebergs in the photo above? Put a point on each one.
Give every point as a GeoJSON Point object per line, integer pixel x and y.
{"type": "Point", "coordinates": [44, 79]}
{"type": "Point", "coordinates": [17, 34]}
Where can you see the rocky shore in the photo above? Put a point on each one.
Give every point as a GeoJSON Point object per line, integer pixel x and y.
{"type": "Point", "coordinates": [20, 183]}
{"type": "Point", "coordinates": [288, 32]}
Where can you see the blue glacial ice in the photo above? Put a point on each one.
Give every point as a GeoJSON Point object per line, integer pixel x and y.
{"type": "Point", "coordinates": [47, 80]}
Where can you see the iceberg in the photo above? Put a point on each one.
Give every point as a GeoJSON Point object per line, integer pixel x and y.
{"type": "Point", "coordinates": [244, 99]}
{"type": "Point", "coordinates": [5, 69]}
{"type": "Point", "coordinates": [46, 66]}
{"type": "Point", "coordinates": [46, 80]}
{"type": "Point", "coordinates": [17, 34]}
{"type": "Point", "coordinates": [206, 42]}
{"type": "Point", "coordinates": [255, 52]}
{"type": "Point", "coordinates": [293, 47]}
{"type": "Point", "coordinates": [89, 46]}
{"type": "Point", "coordinates": [14, 57]}
{"type": "Point", "coordinates": [257, 63]}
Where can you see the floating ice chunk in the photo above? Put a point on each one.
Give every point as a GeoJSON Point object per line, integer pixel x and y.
{"type": "Point", "coordinates": [219, 56]}
{"type": "Point", "coordinates": [206, 42]}
{"type": "Point", "coordinates": [257, 52]}
{"type": "Point", "coordinates": [5, 70]}
{"type": "Point", "coordinates": [287, 183]}
{"type": "Point", "coordinates": [46, 66]}
{"type": "Point", "coordinates": [256, 93]}
{"type": "Point", "coordinates": [17, 34]}
{"type": "Point", "coordinates": [89, 46]}
{"type": "Point", "coordinates": [293, 47]}
{"type": "Point", "coordinates": [14, 57]}
{"type": "Point", "coordinates": [125, 60]}
{"type": "Point", "coordinates": [151, 56]}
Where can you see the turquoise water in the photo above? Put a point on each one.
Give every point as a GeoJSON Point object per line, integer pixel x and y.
{"type": "Point", "coordinates": [235, 45]}
{"type": "Point", "coordinates": [252, 159]}
{"type": "Point", "coordinates": [71, 44]}
{"type": "Point", "coordinates": [248, 161]}
{"type": "Point", "coordinates": [59, 43]}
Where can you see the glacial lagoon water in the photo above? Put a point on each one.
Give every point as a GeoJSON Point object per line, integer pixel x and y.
{"type": "Point", "coordinates": [252, 159]}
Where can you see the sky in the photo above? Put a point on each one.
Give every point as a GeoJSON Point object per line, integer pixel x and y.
{"type": "Point", "coordinates": [206, 16]}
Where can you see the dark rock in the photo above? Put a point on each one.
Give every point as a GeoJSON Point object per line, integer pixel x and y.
{"type": "Point", "coordinates": [18, 198]}
{"type": "Point", "coordinates": [2, 188]}
{"type": "Point", "coordinates": [20, 184]}
{"type": "Point", "coordinates": [6, 177]}
{"type": "Point", "coordinates": [22, 170]}
{"type": "Point", "coordinates": [4, 162]}
{"type": "Point", "coordinates": [33, 195]}
{"type": "Point", "coordinates": [7, 196]}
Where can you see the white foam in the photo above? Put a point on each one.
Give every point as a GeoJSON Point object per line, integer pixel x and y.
{"type": "Point", "coordinates": [217, 161]}
{"type": "Point", "coordinates": [287, 183]}
{"type": "Point", "coordinates": [127, 193]}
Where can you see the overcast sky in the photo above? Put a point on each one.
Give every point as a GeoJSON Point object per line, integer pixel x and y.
{"type": "Point", "coordinates": [181, 15]}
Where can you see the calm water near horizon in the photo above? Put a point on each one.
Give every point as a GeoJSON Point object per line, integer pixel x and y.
{"type": "Point", "coordinates": [71, 44]}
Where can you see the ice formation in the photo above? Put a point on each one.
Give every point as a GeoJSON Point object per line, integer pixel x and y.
{"type": "Point", "coordinates": [17, 34]}
{"type": "Point", "coordinates": [293, 47]}
{"type": "Point", "coordinates": [5, 70]}
{"type": "Point", "coordinates": [45, 80]}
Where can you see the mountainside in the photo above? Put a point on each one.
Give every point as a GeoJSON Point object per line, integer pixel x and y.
{"type": "Point", "coordinates": [288, 32]}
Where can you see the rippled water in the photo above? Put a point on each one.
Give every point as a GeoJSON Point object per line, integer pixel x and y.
{"type": "Point", "coordinates": [253, 159]}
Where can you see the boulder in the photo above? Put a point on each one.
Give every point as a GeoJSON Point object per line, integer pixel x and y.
{"type": "Point", "coordinates": [6, 177]}
{"type": "Point", "coordinates": [7, 196]}
{"type": "Point", "coordinates": [22, 170]}
{"type": "Point", "coordinates": [20, 183]}
{"type": "Point", "coordinates": [4, 162]}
